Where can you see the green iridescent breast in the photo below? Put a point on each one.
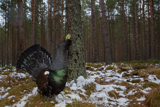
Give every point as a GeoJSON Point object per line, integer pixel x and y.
{"type": "Point", "coordinates": [58, 76]}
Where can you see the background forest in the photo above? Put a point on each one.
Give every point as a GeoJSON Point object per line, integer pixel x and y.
{"type": "Point", "coordinates": [125, 32]}
{"type": "Point", "coordinates": [132, 28]}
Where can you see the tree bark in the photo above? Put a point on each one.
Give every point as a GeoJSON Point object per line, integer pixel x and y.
{"type": "Point", "coordinates": [108, 59]}
{"type": "Point", "coordinates": [53, 29]}
{"type": "Point", "coordinates": [76, 66]}
{"type": "Point", "coordinates": [94, 31]}
{"type": "Point", "coordinates": [62, 20]}
{"type": "Point", "coordinates": [33, 22]}
{"type": "Point", "coordinates": [144, 34]}
{"type": "Point", "coordinates": [125, 33]}
{"type": "Point", "coordinates": [149, 33]}
{"type": "Point", "coordinates": [152, 30]}
{"type": "Point", "coordinates": [137, 35]}
{"type": "Point", "coordinates": [20, 28]}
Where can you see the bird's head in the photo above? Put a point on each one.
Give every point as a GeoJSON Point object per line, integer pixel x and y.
{"type": "Point", "coordinates": [66, 42]}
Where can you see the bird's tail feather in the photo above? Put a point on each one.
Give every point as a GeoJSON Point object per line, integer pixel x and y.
{"type": "Point", "coordinates": [34, 59]}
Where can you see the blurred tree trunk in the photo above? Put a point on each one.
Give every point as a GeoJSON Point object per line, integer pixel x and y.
{"type": "Point", "coordinates": [149, 33]}
{"type": "Point", "coordinates": [26, 37]}
{"type": "Point", "coordinates": [95, 53]}
{"type": "Point", "coordinates": [113, 39]}
{"type": "Point", "coordinates": [144, 34]}
{"type": "Point", "coordinates": [108, 59]}
{"type": "Point", "coordinates": [152, 30]}
{"type": "Point", "coordinates": [129, 43]}
{"type": "Point", "coordinates": [43, 40]}
{"type": "Point", "coordinates": [53, 29]}
{"type": "Point", "coordinates": [47, 36]}
{"type": "Point", "coordinates": [158, 37]}
{"type": "Point", "coordinates": [62, 9]}
{"type": "Point", "coordinates": [76, 66]}
{"type": "Point", "coordinates": [125, 33]}
{"type": "Point", "coordinates": [20, 28]}
{"type": "Point", "coordinates": [2, 51]}
{"type": "Point", "coordinates": [136, 32]}
{"type": "Point", "coordinates": [7, 42]}
{"type": "Point", "coordinates": [33, 22]}
{"type": "Point", "coordinates": [13, 46]}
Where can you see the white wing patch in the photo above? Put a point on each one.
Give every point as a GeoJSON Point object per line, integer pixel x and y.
{"type": "Point", "coordinates": [46, 73]}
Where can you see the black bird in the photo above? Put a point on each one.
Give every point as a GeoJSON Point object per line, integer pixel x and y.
{"type": "Point", "coordinates": [50, 76]}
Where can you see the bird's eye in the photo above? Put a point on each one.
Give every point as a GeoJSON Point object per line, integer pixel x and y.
{"type": "Point", "coordinates": [61, 40]}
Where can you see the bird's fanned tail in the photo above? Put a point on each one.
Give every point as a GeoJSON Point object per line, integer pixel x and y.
{"type": "Point", "coordinates": [34, 59]}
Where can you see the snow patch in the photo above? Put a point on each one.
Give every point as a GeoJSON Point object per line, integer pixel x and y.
{"type": "Point", "coordinates": [23, 101]}
{"type": "Point", "coordinates": [153, 78]}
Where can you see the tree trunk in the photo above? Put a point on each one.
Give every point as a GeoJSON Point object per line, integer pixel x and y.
{"type": "Point", "coordinates": [149, 33]}
{"type": "Point", "coordinates": [43, 43]}
{"type": "Point", "coordinates": [108, 59]}
{"type": "Point", "coordinates": [152, 30]}
{"type": "Point", "coordinates": [13, 47]}
{"type": "Point", "coordinates": [94, 31]}
{"type": "Point", "coordinates": [62, 20]}
{"type": "Point", "coordinates": [53, 29]}
{"type": "Point", "coordinates": [113, 41]}
{"type": "Point", "coordinates": [158, 37]}
{"type": "Point", "coordinates": [144, 34]}
{"type": "Point", "coordinates": [137, 35]}
{"type": "Point", "coordinates": [76, 66]}
{"type": "Point", "coordinates": [125, 33]}
{"type": "Point", "coordinates": [47, 36]}
{"type": "Point", "coordinates": [20, 28]}
{"type": "Point", "coordinates": [33, 22]}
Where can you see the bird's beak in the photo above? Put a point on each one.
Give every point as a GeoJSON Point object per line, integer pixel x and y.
{"type": "Point", "coordinates": [68, 36]}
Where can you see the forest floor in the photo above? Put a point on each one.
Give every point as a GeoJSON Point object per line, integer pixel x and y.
{"type": "Point", "coordinates": [127, 84]}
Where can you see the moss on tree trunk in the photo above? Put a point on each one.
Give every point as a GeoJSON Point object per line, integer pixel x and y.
{"type": "Point", "coordinates": [76, 66]}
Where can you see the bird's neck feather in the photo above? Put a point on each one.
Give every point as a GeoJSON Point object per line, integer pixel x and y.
{"type": "Point", "coordinates": [60, 61]}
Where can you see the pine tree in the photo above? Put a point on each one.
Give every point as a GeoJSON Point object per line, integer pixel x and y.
{"type": "Point", "coordinates": [76, 54]}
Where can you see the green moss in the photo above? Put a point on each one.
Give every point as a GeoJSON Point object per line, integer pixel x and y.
{"type": "Point", "coordinates": [110, 67]}
{"type": "Point", "coordinates": [119, 71]}
{"type": "Point", "coordinates": [9, 68]}
{"type": "Point", "coordinates": [150, 84]}
{"type": "Point", "coordinates": [135, 80]}
{"type": "Point", "coordinates": [139, 66]}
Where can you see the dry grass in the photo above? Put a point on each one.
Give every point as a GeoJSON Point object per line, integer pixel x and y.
{"type": "Point", "coordinates": [17, 85]}
{"type": "Point", "coordinates": [153, 98]}
{"type": "Point", "coordinates": [81, 104]}
{"type": "Point", "coordinates": [21, 86]}
{"type": "Point", "coordinates": [114, 94]}
{"type": "Point", "coordinates": [128, 86]}
{"type": "Point", "coordinates": [90, 88]}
